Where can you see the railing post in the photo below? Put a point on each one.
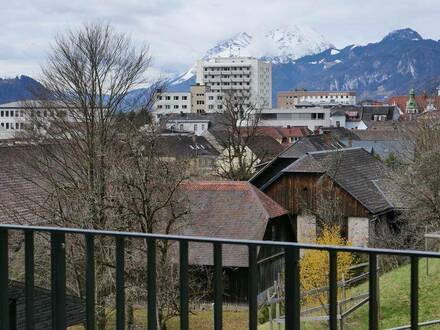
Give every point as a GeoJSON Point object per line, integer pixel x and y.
{"type": "Point", "coordinates": [218, 287]}
{"type": "Point", "coordinates": [90, 282]}
{"type": "Point", "coordinates": [414, 292]}
{"type": "Point", "coordinates": [373, 293]}
{"type": "Point", "coordinates": [29, 278]}
{"type": "Point", "coordinates": [58, 280]}
{"type": "Point", "coordinates": [120, 286]}
{"type": "Point", "coordinates": [292, 287]}
{"type": "Point", "coordinates": [333, 290]}
{"type": "Point", "coordinates": [151, 283]}
{"type": "Point", "coordinates": [183, 275]}
{"type": "Point", "coordinates": [4, 279]}
{"type": "Point", "coordinates": [253, 287]}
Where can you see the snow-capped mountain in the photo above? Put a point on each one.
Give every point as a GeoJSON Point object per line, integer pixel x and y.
{"type": "Point", "coordinates": [279, 45]}
{"type": "Point", "coordinates": [403, 59]}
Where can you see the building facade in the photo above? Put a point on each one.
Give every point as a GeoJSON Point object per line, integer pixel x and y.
{"type": "Point", "coordinates": [245, 76]}
{"type": "Point", "coordinates": [204, 100]}
{"type": "Point", "coordinates": [171, 102]}
{"type": "Point", "coordinates": [313, 117]}
{"type": "Point", "coordinates": [291, 99]}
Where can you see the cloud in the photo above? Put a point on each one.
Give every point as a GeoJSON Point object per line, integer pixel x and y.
{"type": "Point", "coordinates": [180, 31]}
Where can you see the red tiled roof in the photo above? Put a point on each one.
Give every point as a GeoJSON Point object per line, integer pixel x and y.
{"type": "Point", "coordinates": [226, 209]}
{"type": "Point", "coordinates": [421, 100]}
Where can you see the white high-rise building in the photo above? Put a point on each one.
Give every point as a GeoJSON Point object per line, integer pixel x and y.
{"type": "Point", "coordinates": [247, 76]}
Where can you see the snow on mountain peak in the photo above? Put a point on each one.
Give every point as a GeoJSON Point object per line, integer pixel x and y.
{"type": "Point", "coordinates": [281, 44]}
{"type": "Point", "coordinates": [278, 45]}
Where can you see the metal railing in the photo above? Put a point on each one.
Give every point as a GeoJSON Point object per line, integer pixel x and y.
{"type": "Point", "coordinates": [292, 279]}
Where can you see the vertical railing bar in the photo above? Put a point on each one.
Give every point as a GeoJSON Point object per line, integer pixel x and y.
{"type": "Point", "coordinates": [151, 283]}
{"type": "Point", "coordinates": [90, 282]}
{"type": "Point", "coordinates": [4, 280]}
{"type": "Point", "coordinates": [120, 286]}
{"type": "Point", "coordinates": [183, 276]}
{"type": "Point", "coordinates": [253, 287]}
{"type": "Point", "coordinates": [218, 287]}
{"type": "Point", "coordinates": [333, 292]}
{"type": "Point", "coordinates": [414, 292]}
{"type": "Point", "coordinates": [29, 268]}
{"type": "Point", "coordinates": [292, 288]}
{"type": "Point", "coordinates": [373, 293]}
{"type": "Point", "coordinates": [58, 280]}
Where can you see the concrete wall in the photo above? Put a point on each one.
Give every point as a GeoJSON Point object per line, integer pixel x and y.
{"type": "Point", "coordinates": [358, 231]}
{"type": "Point", "coordinates": [306, 228]}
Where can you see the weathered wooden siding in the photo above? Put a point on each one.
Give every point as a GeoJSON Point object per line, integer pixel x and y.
{"type": "Point", "coordinates": [293, 191]}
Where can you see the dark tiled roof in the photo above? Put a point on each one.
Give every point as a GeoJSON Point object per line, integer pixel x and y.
{"type": "Point", "coordinates": [310, 144]}
{"type": "Point", "coordinates": [293, 152]}
{"type": "Point", "coordinates": [265, 147]}
{"type": "Point", "coordinates": [20, 198]}
{"type": "Point", "coordinates": [43, 307]}
{"type": "Point", "coordinates": [354, 169]}
{"type": "Point", "coordinates": [227, 209]}
{"type": "Point", "coordinates": [185, 146]}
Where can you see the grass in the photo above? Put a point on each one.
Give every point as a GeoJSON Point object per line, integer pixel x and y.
{"type": "Point", "coordinates": [394, 304]}
{"type": "Point", "coordinates": [395, 300]}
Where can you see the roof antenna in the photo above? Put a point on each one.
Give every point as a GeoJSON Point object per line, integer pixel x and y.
{"type": "Point", "coordinates": [238, 51]}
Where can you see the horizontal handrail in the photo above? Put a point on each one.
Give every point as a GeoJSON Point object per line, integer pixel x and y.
{"type": "Point", "coordinates": [349, 249]}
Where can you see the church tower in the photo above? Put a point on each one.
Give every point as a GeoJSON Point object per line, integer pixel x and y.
{"type": "Point", "coordinates": [411, 104]}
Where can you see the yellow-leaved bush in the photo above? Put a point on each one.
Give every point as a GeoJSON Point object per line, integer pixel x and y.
{"type": "Point", "coordinates": [314, 265]}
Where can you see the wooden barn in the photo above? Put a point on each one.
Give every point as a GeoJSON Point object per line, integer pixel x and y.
{"type": "Point", "coordinates": [238, 210]}
{"type": "Point", "coordinates": [349, 182]}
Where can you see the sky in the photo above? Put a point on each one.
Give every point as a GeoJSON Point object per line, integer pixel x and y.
{"type": "Point", "coordinates": [181, 31]}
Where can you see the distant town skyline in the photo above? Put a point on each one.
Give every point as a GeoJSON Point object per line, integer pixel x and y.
{"type": "Point", "coordinates": [179, 32]}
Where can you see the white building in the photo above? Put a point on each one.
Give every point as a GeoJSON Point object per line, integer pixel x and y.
{"type": "Point", "coordinates": [15, 117]}
{"type": "Point", "coordinates": [313, 118]}
{"type": "Point", "coordinates": [293, 98]}
{"type": "Point", "coordinates": [244, 76]}
{"type": "Point", "coordinates": [172, 102]}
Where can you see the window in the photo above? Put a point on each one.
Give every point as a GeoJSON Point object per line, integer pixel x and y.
{"type": "Point", "coordinates": [176, 97]}
{"type": "Point", "coordinates": [176, 106]}
{"type": "Point", "coordinates": [16, 125]}
{"type": "Point", "coordinates": [219, 97]}
{"type": "Point", "coordinates": [203, 127]}
{"type": "Point", "coordinates": [195, 127]}
{"type": "Point", "coordinates": [159, 98]}
{"type": "Point", "coordinates": [181, 127]}
{"type": "Point", "coordinates": [7, 125]}
{"type": "Point", "coordinates": [167, 106]}
{"type": "Point", "coordinates": [6, 113]}
{"type": "Point", "coordinates": [2, 113]}
{"type": "Point", "coordinates": [17, 113]}
{"type": "Point", "coordinates": [184, 106]}
{"type": "Point", "coordinates": [3, 124]}
{"type": "Point", "coordinates": [219, 106]}
{"type": "Point", "coordinates": [159, 107]}
{"type": "Point", "coordinates": [184, 97]}
{"type": "Point", "coordinates": [210, 106]}
{"type": "Point", "coordinates": [200, 102]}
{"type": "Point", "coordinates": [210, 97]}
{"type": "Point", "coordinates": [168, 98]}
{"type": "Point", "coordinates": [320, 116]}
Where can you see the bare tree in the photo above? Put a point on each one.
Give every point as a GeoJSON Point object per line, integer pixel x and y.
{"type": "Point", "coordinates": [237, 133]}
{"type": "Point", "coordinates": [96, 167]}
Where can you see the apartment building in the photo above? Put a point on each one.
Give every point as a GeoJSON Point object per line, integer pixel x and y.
{"type": "Point", "coordinates": [291, 99]}
{"type": "Point", "coordinates": [313, 117]}
{"type": "Point", "coordinates": [242, 76]}
{"type": "Point", "coordinates": [204, 100]}
{"type": "Point", "coordinates": [171, 102]}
